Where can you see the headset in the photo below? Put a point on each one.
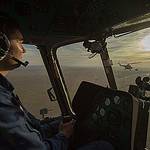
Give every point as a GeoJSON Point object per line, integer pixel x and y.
{"type": "Point", "coordinates": [4, 48]}
{"type": "Point", "coordinates": [4, 45]}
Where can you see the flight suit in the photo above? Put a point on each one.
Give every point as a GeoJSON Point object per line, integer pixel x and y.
{"type": "Point", "coordinates": [19, 130]}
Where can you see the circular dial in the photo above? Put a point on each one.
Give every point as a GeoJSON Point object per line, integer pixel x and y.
{"type": "Point", "coordinates": [107, 102]}
{"type": "Point", "coordinates": [117, 100]}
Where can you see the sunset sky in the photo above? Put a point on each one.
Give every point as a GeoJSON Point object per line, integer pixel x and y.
{"type": "Point", "coordinates": [134, 47]}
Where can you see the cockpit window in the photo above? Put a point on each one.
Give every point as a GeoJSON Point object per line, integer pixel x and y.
{"type": "Point", "coordinates": [31, 85]}
{"type": "Point", "coordinates": [79, 65]}
{"type": "Point", "coordinates": [131, 57]}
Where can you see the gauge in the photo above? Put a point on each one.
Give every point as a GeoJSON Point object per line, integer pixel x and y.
{"type": "Point", "coordinates": [107, 102]}
{"type": "Point", "coordinates": [98, 108]}
{"type": "Point", "coordinates": [102, 112]}
{"type": "Point", "coordinates": [116, 99]}
{"type": "Point", "coordinates": [94, 116]}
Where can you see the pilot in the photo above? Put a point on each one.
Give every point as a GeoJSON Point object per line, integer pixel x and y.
{"type": "Point", "coordinates": [20, 130]}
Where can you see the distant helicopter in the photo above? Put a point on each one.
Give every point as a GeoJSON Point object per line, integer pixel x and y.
{"type": "Point", "coordinates": [128, 66]}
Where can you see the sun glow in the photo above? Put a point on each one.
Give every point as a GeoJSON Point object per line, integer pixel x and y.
{"type": "Point", "coordinates": [146, 43]}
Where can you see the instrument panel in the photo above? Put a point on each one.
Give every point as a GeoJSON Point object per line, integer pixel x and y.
{"type": "Point", "coordinates": [105, 114]}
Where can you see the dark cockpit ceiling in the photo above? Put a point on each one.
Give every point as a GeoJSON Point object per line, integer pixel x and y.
{"type": "Point", "coordinates": [52, 21]}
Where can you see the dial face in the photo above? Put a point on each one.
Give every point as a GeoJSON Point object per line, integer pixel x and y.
{"type": "Point", "coordinates": [117, 100]}
{"type": "Point", "coordinates": [102, 112]}
{"type": "Point", "coordinates": [107, 102]}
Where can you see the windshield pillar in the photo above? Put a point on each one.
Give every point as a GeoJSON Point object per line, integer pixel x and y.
{"type": "Point", "coordinates": [107, 63]}
{"type": "Point", "coordinates": [56, 78]}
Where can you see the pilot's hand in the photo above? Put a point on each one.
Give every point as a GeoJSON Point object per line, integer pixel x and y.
{"type": "Point", "coordinates": [67, 128]}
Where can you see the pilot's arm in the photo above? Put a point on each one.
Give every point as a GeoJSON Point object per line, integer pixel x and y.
{"type": "Point", "coordinates": [16, 133]}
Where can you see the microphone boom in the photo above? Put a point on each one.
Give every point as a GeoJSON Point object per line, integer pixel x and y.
{"type": "Point", "coordinates": [20, 62]}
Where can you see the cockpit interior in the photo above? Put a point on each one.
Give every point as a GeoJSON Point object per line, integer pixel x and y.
{"type": "Point", "coordinates": [101, 113]}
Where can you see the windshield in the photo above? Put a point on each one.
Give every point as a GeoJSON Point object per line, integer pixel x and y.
{"type": "Point", "coordinates": [130, 55]}
{"type": "Point", "coordinates": [77, 66]}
